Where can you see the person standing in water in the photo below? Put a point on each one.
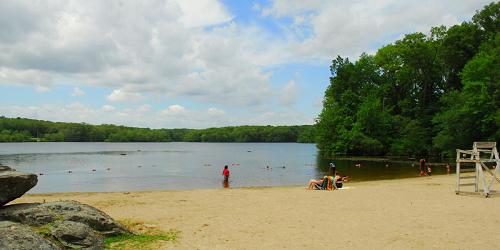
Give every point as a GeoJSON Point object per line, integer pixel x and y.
{"type": "Point", "coordinates": [333, 168]}
{"type": "Point", "coordinates": [225, 173]}
{"type": "Point", "coordinates": [423, 168]}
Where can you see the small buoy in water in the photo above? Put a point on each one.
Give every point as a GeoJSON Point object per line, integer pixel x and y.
{"type": "Point", "coordinates": [93, 170]}
{"type": "Point", "coordinates": [139, 166]}
{"type": "Point", "coordinates": [123, 154]}
{"type": "Point", "coordinates": [249, 151]}
{"type": "Point", "coordinates": [284, 167]}
{"type": "Point", "coordinates": [40, 174]}
{"type": "Point", "coordinates": [108, 169]}
{"type": "Point", "coordinates": [69, 171]}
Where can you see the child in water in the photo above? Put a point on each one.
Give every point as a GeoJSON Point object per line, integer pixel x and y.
{"type": "Point", "coordinates": [225, 173]}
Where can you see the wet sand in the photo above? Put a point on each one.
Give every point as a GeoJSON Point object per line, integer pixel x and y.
{"type": "Point", "coordinates": [416, 213]}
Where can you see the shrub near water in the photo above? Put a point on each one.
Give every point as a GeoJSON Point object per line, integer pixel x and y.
{"type": "Point", "coordinates": [144, 237]}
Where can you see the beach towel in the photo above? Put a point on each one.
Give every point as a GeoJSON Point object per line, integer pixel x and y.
{"type": "Point", "coordinates": [328, 184]}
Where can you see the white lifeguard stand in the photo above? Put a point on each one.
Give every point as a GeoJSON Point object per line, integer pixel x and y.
{"type": "Point", "coordinates": [484, 158]}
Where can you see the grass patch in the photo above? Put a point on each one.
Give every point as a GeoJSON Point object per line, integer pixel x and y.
{"type": "Point", "coordinates": [144, 237]}
{"type": "Point", "coordinates": [138, 241]}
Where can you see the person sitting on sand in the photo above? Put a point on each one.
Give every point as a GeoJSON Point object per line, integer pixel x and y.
{"type": "Point", "coordinates": [313, 182]}
{"type": "Point", "coordinates": [339, 180]}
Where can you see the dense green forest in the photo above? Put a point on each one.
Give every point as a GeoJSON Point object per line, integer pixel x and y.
{"type": "Point", "coordinates": [25, 130]}
{"type": "Point", "coordinates": [421, 95]}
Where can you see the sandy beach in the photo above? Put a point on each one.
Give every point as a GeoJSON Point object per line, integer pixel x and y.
{"type": "Point", "coordinates": [416, 213]}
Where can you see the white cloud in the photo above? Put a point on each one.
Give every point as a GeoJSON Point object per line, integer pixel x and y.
{"type": "Point", "coordinates": [349, 28]}
{"type": "Point", "coordinates": [196, 50]}
{"type": "Point", "coordinates": [77, 92]}
{"type": "Point", "coordinates": [198, 13]}
{"type": "Point", "coordinates": [136, 48]}
{"type": "Point", "coordinates": [174, 110]}
{"type": "Point", "coordinates": [215, 112]}
{"type": "Point", "coordinates": [144, 108]}
{"type": "Point", "coordinates": [120, 95]}
{"type": "Point", "coordinates": [289, 93]}
{"type": "Point", "coordinates": [174, 116]}
{"type": "Point", "coordinates": [42, 89]}
{"type": "Point", "coordinates": [108, 108]}
{"type": "Point", "coordinates": [282, 118]}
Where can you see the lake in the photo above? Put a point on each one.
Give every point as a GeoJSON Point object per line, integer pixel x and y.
{"type": "Point", "coordinates": [99, 167]}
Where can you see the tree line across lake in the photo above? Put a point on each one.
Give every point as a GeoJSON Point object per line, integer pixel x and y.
{"type": "Point", "coordinates": [425, 94]}
{"type": "Point", "coordinates": [25, 130]}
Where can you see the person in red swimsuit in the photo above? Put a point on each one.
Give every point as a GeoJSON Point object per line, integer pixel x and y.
{"type": "Point", "coordinates": [423, 167]}
{"type": "Point", "coordinates": [225, 173]}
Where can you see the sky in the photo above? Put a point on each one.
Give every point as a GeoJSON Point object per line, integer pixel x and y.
{"type": "Point", "coordinates": [193, 63]}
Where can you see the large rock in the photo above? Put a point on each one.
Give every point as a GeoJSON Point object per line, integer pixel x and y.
{"type": "Point", "coordinates": [38, 214]}
{"type": "Point", "coordinates": [15, 236]}
{"type": "Point", "coordinates": [5, 168]}
{"type": "Point", "coordinates": [77, 235]}
{"type": "Point", "coordinates": [14, 184]}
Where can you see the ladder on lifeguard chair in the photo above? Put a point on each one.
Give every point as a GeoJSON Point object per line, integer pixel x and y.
{"type": "Point", "coordinates": [482, 154]}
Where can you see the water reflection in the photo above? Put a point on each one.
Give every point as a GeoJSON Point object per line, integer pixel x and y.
{"type": "Point", "coordinates": [225, 184]}
{"type": "Point", "coordinates": [67, 167]}
{"type": "Point", "coordinates": [364, 169]}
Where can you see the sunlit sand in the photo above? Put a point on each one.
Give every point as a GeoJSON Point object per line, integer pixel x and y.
{"type": "Point", "coordinates": [416, 213]}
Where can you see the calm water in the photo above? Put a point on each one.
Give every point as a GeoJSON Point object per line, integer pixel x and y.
{"type": "Point", "coordinates": [152, 166]}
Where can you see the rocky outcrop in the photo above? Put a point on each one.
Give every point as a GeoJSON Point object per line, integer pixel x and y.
{"type": "Point", "coordinates": [14, 184]}
{"type": "Point", "coordinates": [5, 168]}
{"type": "Point", "coordinates": [16, 236]}
{"type": "Point", "coordinates": [39, 214]}
{"type": "Point", "coordinates": [77, 235]}
{"type": "Point", "coordinates": [52, 225]}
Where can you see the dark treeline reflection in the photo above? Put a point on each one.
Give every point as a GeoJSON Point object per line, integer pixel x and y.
{"type": "Point", "coordinates": [376, 169]}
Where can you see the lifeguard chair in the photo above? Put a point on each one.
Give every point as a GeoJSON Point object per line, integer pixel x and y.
{"type": "Point", "coordinates": [474, 164]}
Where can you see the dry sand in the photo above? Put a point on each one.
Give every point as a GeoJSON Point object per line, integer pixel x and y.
{"type": "Point", "coordinates": [418, 213]}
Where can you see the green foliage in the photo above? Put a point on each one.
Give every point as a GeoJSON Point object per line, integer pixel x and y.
{"type": "Point", "coordinates": [138, 241]}
{"type": "Point", "coordinates": [14, 136]}
{"type": "Point", "coordinates": [144, 236]}
{"type": "Point", "coordinates": [474, 113]}
{"type": "Point", "coordinates": [423, 94]}
{"type": "Point", "coordinates": [21, 130]}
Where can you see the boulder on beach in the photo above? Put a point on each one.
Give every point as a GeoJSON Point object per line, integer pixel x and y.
{"type": "Point", "coordinates": [5, 168]}
{"type": "Point", "coordinates": [16, 236]}
{"type": "Point", "coordinates": [76, 235]}
{"type": "Point", "coordinates": [39, 214]}
{"type": "Point", "coordinates": [14, 184]}
{"type": "Point", "coordinates": [52, 225]}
